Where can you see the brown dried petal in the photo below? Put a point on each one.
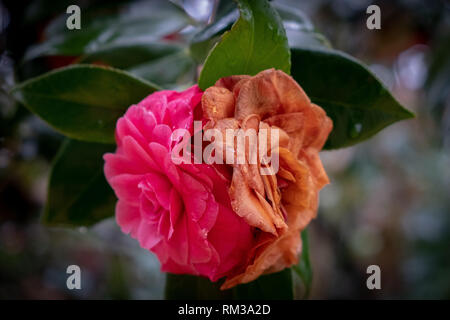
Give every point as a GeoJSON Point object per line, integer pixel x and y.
{"type": "Point", "coordinates": [217, 103]}
{"type": "Point", "coordinates": [269, 100]}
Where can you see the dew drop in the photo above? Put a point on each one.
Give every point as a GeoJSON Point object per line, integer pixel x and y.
{"type": "Point", "coordinates": [355, 130]}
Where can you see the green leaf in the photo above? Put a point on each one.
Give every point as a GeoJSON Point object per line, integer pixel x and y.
{"type": "Point", "coordinates": [303, 269]}
{"type": "Point", "coordinates": [187, 287]}
{"type": "Point", "coordinates": [257, 41]}
{"type": "Point", "coordinates": [299, 28]}
{"type": "Point", "coordinates": [130, 52]}
{"type": "Point", "coordinates": [81, 101]}
{"type": "Point", "coordinates": [78, 194]}
{"type": "Point", "coordinates": [203, 41]}
{"type": "Point", "coordinates": [306, 39]}
{"type": "Point", "coordinates": [356, 101]}
{"type": "Point", "coordinates": [177, 68]}
{"type": "Point", "coordinates": [135, 29]}
{"type": "Point", "coordinates": [276, 286]}
{"type": "Point", "coordinates": [299, 31]}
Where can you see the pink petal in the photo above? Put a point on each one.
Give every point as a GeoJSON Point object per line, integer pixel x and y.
{"type": "Point", "coordinates": [199, 251]}
{"type": "Point", "coordinates": [147, 235]}
{"type": "Point", "coordinates": [162, 135]}
{"type": "Point", "coordinates": [175, 210]}
{"type": "Point", "coordinates": [141, 158]}
{"type": "Point", "coordinates": [127, 217]}
{"type": "Point", "coordinates": [116, 164]}
{"type": "Point", "coordinates": [126, 187]}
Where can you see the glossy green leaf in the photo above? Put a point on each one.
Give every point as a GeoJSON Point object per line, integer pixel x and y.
{"type": "Point", "coordinates": [299, 31]}
{"type": "Point", "coordinates": [306, 39]}
{"type": "Point", "coordinates": [293, 16]}
{"type": "Point", "coordinates": [303, 269]}
{"type": "Point", "coordinates": [299, 28]}
{"type": "Point", "coordinates": [204, 40]}
{"type": "Point", "coordinates": [78, 194]}
{"type": "Point", "coordinates": [356, 101]}
{"type": "Point", "coordinates": [257, 41]}
{"type": "Point", "coordinates": [177, 68]}
{"type": "Point", "coordinates": [133, 30]}
{"type": "Point", "coordinates": [81, 101]}
{"type": "Point", "coordinates": [276, 286]}
{"type": "Point", "coordinates": [129, 53]}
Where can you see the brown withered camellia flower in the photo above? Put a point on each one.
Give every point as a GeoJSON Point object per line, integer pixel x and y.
{"type": "Point", "coordinates": [279, 205]}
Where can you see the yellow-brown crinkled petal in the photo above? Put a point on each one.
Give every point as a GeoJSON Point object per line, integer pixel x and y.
{"type": "Point", "coordinates": [281, 204]}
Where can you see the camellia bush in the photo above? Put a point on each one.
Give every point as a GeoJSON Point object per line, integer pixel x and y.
{"type": "Point", "coordinates": [148, 81]}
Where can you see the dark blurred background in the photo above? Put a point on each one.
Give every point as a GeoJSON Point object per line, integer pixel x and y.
{"type": "Point", "coordinates": [388, 202]}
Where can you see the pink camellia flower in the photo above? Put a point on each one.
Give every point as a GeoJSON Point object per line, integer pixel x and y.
{"type": "Point", "coordinates": [182, 213]}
